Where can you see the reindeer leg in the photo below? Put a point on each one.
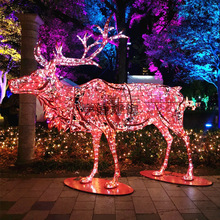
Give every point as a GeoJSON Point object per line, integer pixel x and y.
{"type": "Point", "coordinates": [166, 134]}
{"type": "Point", "coordinates": [189, 175]}
{"type": "Point", "coordinates": [96, 136]}
{"type": "Point", "coordinates": [111, 141]}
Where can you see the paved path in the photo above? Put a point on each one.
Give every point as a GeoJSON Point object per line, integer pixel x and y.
{"type": "Point", "coordinates": [48, 198]}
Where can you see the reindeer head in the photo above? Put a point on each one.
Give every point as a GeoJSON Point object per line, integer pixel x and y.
{"type": "Point", "coordinates": [28, 84]}
{"type": "Point", "coordinates": [38, 81]}
{"type": "Point", "coordinates": [43, 79]}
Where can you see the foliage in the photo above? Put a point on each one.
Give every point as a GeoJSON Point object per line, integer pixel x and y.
{"type": "Point", "coordinates": [157, 40]}
{"type": "Point", "coordinates": [61, 24]}
{"type": "Point", "coordinates": [10, 35]}
{"type": "Point", "coordinates": [197, 40]}
{"type": "Point", "coordinates": [110, 58]}
{"type": "Point", "coordinates": [73, 151]}
{"type": "Point", "coordinates": [197, 43]}
{"type": "Point", "coordinates": [64, 19]}
{"type": "Point", "coordinates": [152, 19]}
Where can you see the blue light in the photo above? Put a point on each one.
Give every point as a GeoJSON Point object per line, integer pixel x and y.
{"type": "Point", "coordinates": [208, 125]}
{"type": "Point", "coordinates": [8, 93]}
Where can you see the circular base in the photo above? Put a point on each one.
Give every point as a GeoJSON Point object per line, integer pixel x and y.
{"type": "Point", "coordinates": [97, 186]}
{"type": "Point", "coordinates": [176, 178]}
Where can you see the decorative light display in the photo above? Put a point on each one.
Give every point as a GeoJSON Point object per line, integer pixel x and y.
{"type": "Point", "coordinates": [137, 148]}
{"type": "Point", "coordinates": [100, 107]}
{"type": "Point", "coordinates": [205, 100]}
{"type": "Point", "coordinates": [192, 103]}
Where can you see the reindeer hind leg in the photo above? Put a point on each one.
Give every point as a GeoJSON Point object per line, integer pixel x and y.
{"type": "Point", "coordinates": [169, 139]}
{"type": "Point", "coordinates": [182, 134]}
{"type": "Point", "coordinates": [110, 135]}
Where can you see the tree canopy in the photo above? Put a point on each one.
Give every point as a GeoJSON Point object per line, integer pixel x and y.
{"type": "Point", "coordinates": [65, 19]}
{"type": "Point", "coordinates": [156, 29]}
{"type": "Point", "coordinates": [198, 40]}
{"type": "Point", "coordinates": [157, 38]}
{"type": "Point", "coordinates": [10, 33]}
{"type": "Point", "coordinates": [197, 43]}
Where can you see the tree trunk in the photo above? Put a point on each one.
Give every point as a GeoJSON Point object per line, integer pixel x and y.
{"type": "Point", "coordinates": [27, 104]}
{"type": "Point", "coordinates": [122, 61]}
{"type": "Point", "coordinates": [218, 83]}
{"type": "Point", "coordinates": [122, 49]}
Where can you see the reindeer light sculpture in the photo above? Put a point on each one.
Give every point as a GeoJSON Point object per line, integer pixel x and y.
{"type": "Point", "coordinates": [101, 107]}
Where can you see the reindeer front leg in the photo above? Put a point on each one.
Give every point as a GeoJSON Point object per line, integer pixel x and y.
{"type": "Point", "coordinates": [110, 135]}
{"type": "Point", "coordinates": [96, 136]}
{"type": "Point", "coordinates": [189, 175]}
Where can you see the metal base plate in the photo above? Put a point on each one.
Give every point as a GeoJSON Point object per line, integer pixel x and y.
{"type": "Point", "coordinates": [176, 178]}
{"type": "Point", "coordinates": [97, 186]}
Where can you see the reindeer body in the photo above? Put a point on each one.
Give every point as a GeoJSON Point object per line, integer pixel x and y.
{"type": "Point", "coordinates": [100, 107]}
{"type": "Point", "coordinates": [127, 107]}
{"type": "Point", "coordinates": [122, 107]}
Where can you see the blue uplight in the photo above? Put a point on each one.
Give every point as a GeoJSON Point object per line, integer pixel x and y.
{"type": "Point", "coordinates": [8, 93]}
{"type": "Point", "coordinates": [208, 125]}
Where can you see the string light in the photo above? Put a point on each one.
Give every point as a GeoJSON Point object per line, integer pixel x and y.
{"type": "Point", "coordinates": [9, 150]}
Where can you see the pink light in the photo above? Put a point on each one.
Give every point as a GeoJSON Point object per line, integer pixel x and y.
{"type": "Point", "coordinates": [101, 107]}
{"type": "Point", "coordinates": [155, 69]}
{"type": "Point", "coordinates": [135, 17]}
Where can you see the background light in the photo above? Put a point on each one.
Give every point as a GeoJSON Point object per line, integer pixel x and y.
{"type": "Point", "coordinates": [208, 125]}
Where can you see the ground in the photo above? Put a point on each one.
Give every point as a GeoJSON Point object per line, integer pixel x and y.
{"type": "Point", "coordinates": [133, 170]}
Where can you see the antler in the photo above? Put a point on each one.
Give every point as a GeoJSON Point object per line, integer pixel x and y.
{"type": "Point", "coordinates": [102, 41]}
{"type": "Point", "coordinates": [105, 39]}
{"type": "Point", "coordinates": [38, 56]}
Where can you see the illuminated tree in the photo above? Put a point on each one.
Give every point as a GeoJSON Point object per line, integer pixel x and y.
{"type": "Point", "coordinates": [162, 21]}
{"type": "Point", "coordinates": [3, 80]}
{"type": "Point", "coordinates": [197, 42]}
{"type": "Point", "coordinates": [62, 20]}
{"type": "Point", "coordinates": [98, 11]}
{"type": "Point", "coordinates": [10, 33]}
{"type": "Point", "coordinates": [136, 17]}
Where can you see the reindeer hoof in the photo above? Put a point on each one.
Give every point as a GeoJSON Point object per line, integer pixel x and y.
{"type": "Point", "coordinates": [188, 177]}
{"type": "Point", "coordinates": [157, 173]}
{"type": "Point", "coordinates": [85, 180]}
{"type": "Point", "coordinates": [111, 185]}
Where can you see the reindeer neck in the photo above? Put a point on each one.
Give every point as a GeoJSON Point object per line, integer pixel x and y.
{"type": "Point", "coordinates": [56, 93]}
